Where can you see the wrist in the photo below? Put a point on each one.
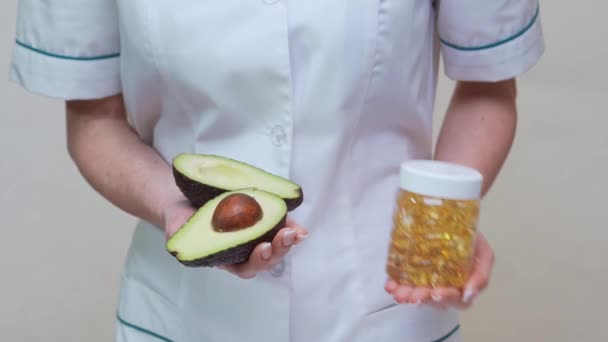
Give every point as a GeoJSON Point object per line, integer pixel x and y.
{"type": "Point", "coordinates": [174, 215]}
{"type": "Point", "coordinates": [169, 198]}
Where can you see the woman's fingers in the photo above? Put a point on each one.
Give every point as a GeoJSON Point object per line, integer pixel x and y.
{"type": "Point", "coordinates": [282, 243]}
{"type": "Point", "coordinates": [301, 232]}
{"type": "Point", "coordinates": [440, 298]}
{"type": "Point", "coordinates": [391, 286]}
{"type": "Point", "coordinates": [403, 294]}
{"type": "Point", "coordinates": [410, 295]}
{"type": "Point", "coordinates": [420, 295]}
{"type": "Point", "coordinates": [483, 264]}
{"type": "Point", "coordinates": [445, 297]}
{"type": "Point", "coordinates": [258, 260]}
{"type": "Point", "coordinates": [442, 294]}
{"type": "Point", "coordinates": [268, 254]}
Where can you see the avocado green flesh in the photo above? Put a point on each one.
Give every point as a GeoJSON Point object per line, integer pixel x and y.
{"type": "Point", "coordinates": [197, 239]}
{"type": "Point", "coordinates": [228, 174]}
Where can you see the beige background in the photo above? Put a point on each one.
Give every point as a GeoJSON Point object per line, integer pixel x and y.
{"type": "Point", "coordinates": [62, 245]}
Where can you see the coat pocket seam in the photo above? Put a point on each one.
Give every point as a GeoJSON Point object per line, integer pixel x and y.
{"type": "Point", "coordinates": [140, 329]}
{"type": "Point", "coordinates": [147, 311]}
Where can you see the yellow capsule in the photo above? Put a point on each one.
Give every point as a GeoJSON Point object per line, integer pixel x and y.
{"type": "Point", "coordinates": [433, 236]}
{"type": "Point", "coordinates": [423, 280]}
{"type": "Point", "coordinates": [435, 279]}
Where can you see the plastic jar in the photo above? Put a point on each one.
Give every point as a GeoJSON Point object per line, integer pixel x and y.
{"type": "Point", "coordinates": [435, 223]}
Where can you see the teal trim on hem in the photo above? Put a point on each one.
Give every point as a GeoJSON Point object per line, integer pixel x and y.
{"type": "Point", "coordinates": [165, 339]}
{"type": "Point", "coordinates": [444, 338]}
{"type": "Point", "coordinates": [72, 58]}
{"type": "Point", "coordinates": [142, 330]}
{"type": "Point", "coordinates": [498, 43]}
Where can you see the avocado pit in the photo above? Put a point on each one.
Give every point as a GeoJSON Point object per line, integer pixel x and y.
{"type": "Point", "coordinates": [235, 212]}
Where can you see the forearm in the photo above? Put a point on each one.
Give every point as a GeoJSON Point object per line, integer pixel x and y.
{"type": "Point", "coordinates": [479, 127]}
{"type": "Point", "coordinates": [115, 162]}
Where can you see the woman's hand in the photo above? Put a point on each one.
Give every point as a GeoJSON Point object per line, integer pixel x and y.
{"type": "Point", "coordinates": [267, 255]}
{"type": "Point", "coordinates": [263, 257]}
{"type": "Point", "coordinates": [483, 263]}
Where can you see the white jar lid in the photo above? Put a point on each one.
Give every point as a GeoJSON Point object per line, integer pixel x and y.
{"type": "Point", "coordinates": [441, 179]}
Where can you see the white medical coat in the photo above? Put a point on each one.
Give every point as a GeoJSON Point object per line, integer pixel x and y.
{"type": "Point", "coordinates": [332, 94]}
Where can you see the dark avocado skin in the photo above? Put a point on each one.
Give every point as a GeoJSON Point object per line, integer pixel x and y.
{"type": "Point", "coordinates": [198, 193]}
{"type": "Point", "coordinates": [234, 255]}
{"type": "Point", "coordinates": [293, 203]}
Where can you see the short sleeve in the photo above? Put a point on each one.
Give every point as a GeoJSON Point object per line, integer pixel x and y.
{"type": "Point", "coordinates": [489, 40]}
{"type": "Point", "coordinates": [67, 49]}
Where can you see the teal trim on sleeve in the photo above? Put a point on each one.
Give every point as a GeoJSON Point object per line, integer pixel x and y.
{"type": "Point", "coordinates": [142, 330]}
{"type": "Point", "coordinates": [73, 58]}
{"type": "Point", "coordinates": [444, 338]}
{"type": "Point", "coordinates": [498, 43]}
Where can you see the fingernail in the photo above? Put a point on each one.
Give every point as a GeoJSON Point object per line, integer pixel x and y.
{"type": "Point", "coordinates": [266, 251]}
{"type": "Point", "coordinates": [288, 238]}
{"type": "Point", "coordinates": [437, 298]}
{"type": "Point", "coordinates": [301, 237]}
{"type": "Point", "coordinates": [468, 295]}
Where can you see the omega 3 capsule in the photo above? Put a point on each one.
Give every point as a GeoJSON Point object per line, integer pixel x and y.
{"type": "Point", "coordinates": [435, 222]}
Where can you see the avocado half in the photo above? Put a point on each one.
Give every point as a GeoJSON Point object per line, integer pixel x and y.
{"type": "Point", "coordinates": [198, 243]}
{"type": "Point", "coordinates": [202, 177]}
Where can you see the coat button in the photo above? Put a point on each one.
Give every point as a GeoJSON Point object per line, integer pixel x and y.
{"type": "Point", "coordinates": [278, 135]}
{"type": "Point", "coordinates": [278, 269]}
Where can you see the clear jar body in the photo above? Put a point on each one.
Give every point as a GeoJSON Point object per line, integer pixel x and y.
{"type": "Point", "coordinates": [432, 240]}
